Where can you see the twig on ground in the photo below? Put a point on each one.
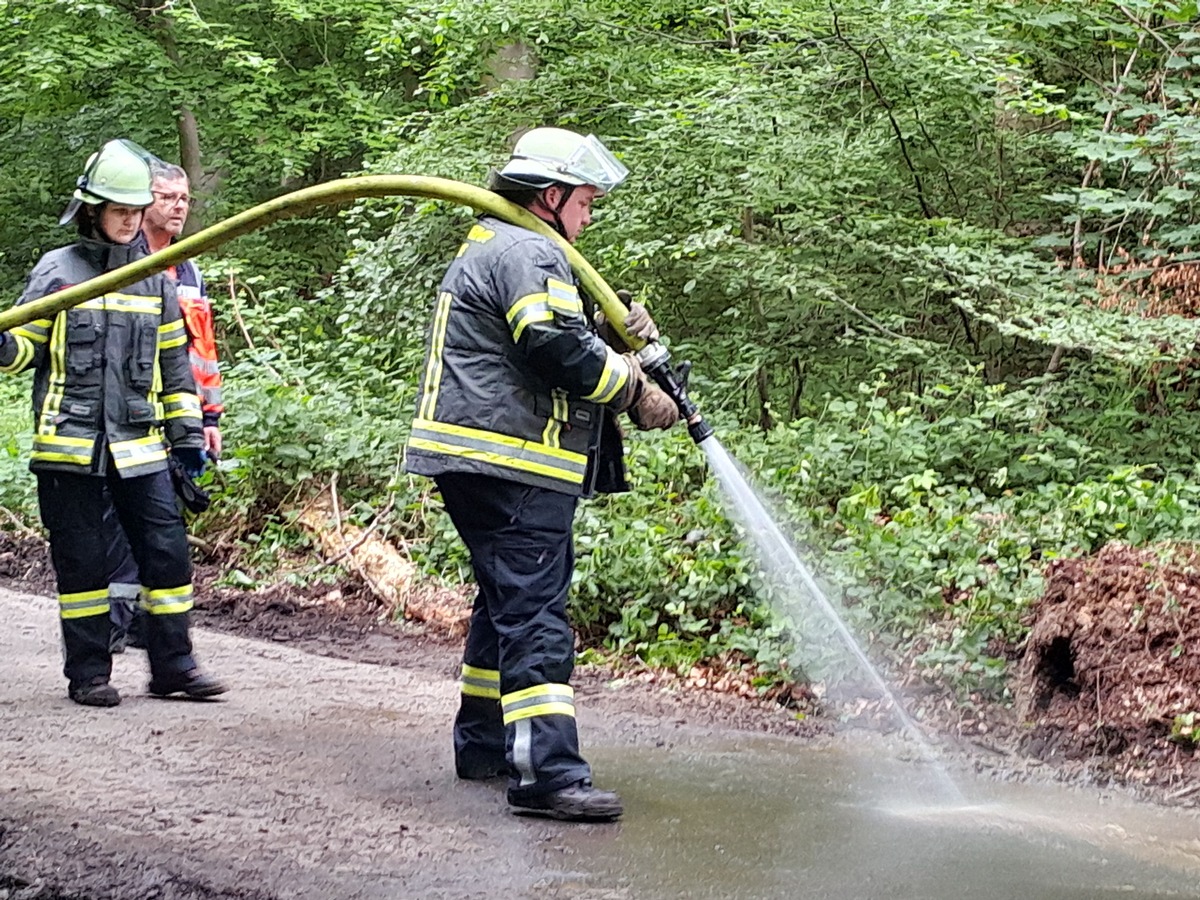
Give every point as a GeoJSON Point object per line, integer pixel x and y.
{"type": "Point", "coordinates": [18, 524]}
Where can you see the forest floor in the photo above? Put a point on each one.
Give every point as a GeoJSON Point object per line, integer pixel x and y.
{"type": "Point", "coordinates": [1105, 682]}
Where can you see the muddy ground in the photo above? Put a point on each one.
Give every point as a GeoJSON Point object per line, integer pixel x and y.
{"type": "Point", "coordinates": [1105, 683]}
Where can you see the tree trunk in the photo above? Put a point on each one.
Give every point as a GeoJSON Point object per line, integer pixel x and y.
{"type": "Point", "coordinates": [189, 159]}
{"type": "Point", "coordinates": [149, 15]}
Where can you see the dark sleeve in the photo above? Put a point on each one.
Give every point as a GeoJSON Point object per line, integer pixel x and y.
{"type": "Point", "coordinates": [29, 342]}
{"type": "Point", "coordinates": [545, 316]}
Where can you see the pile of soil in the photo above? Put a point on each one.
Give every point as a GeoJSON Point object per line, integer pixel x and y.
{"type": "Point", "coordinates": [1111, 668]}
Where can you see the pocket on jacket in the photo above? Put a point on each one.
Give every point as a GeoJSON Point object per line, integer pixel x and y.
{"type": "Point", "coordinates": [139, 412]}
{"type": "Point", "coordinates": [83, 346]}
{"type": "Point", "coordinates": [81, 412]}
{"type": "Point", "coordinates": [142, 355]}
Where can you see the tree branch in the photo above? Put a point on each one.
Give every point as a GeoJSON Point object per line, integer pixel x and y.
{"type": "Point", "coordinates": [916, 176]}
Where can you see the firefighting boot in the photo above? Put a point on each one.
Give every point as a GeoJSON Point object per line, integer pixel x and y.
{"type": "Point", "coordinates": [193, 684]}
{"type": "Point", "coordinates": [579, 802]}
{"type": "Point", "coordinates": [96, 692]}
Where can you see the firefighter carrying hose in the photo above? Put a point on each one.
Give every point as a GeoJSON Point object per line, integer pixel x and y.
{"type": "Point", "coordinates": [515, 422]}
{"type": "Point", "coordinates": [112, 395]}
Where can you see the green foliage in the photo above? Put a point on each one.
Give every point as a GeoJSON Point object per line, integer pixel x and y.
{"type": "Point", "coordinates": [1185, 729]}
{"type": "Point", "coordinates": [17, 490]}
{"type": "Point", "coordinates": [885, 233]}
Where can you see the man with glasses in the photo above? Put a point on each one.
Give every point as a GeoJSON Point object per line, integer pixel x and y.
{"type": "Point", "coordinates": [163, 222]}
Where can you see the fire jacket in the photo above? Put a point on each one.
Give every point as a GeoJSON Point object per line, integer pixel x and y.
{"type": "Point", "coordinates": [515, 378]}
{"type": "Point", "coordinates": [111, 375]}
{"type": "Point", "coordinates": [202, 341]}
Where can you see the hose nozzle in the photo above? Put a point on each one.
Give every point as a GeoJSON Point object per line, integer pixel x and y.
{"type": "Point", "coordinates": [656, 362]}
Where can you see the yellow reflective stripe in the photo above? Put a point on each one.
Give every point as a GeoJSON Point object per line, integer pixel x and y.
{"type": "Point", "coordinates": [83, 604]}
{"type": "Point", "coordinates": [51, 457]}
{"type": "Point", "coordinates": [55, 449]}
{"type": "Point", "coordinates": [543, 709]}
{"type": "Point", "coordinates": [57, 440]}
{"type": "Point", "coordinates": [480, 235]}
{"type": "Point", "coordinates": [37, 331]}
{"type": "Point", "coordinates": [564, 296]}
{"type": "Point", "coordinates": [474, 690]}
{"type": "Point", "coordinates": [166, 601]}
{"type": "Point", "coordinates": [474, 672]}
{"type": "Point", "coordinates": [480, 682]}
{"type": "Point", "coordinates": [529, 318]}
{"type": "Point", "coordinates": [24, 355]}
{"type": "Point", "coordinates": [539, 700]}
{"type": "Point", "coordinates": [612, 379]}
{"type": "Point", "coordinates": [133, 303]}
{"type": "Point", "coordinates": [181, 405]}
{"type": "Point", "coordinates": [172, 334]}
{"type": "Point", "coordinates": [434, 365]}
{"type": "Point", "coordinates": [510, 462]}
{"type": "Point", "coordinates": [146, 441]}
{"type": "Point", "coordinates": [529, 309]}
{"type": "Point", "coordinates": [493, 437]}
{"type": "Point", "coordinates": [553, 429]}
{"type": "Point", "coordinates": [58, 376]}
{"type": "Point", "coordinates": [540, 690]}
{"type": "Point", "coordinates": [132, 462]}
{"type": "Point", "coordinates": [144, 304]}
{"type": "Point", "coordinates": [138, 451]}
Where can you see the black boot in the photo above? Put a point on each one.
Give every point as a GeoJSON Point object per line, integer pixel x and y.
{"type": "Point", "coordinates": [96, 692]}
{"type": "Point", "coordinates": [192, 683]}
{"type": "Point", "coordinates": [579, 802]}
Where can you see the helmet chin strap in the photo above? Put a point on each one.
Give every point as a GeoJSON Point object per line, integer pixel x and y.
{"type": "Point", "coordinates": [556, 211]}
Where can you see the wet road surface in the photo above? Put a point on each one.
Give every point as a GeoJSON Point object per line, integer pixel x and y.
{"type": "Point", "coordinates": [321, 778]}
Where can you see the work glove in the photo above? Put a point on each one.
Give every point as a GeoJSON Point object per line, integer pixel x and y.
{"type": "Point", "coordinates": [648, 405]}
{"type": "Point", "coordinates": [654, 410]}
{"type": "Point", "coordinates": [192, 459]}
{"type": "Point", "coordinates": [638, 322]}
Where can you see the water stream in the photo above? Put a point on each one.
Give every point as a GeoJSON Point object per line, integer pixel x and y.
{"type": "Point", "coordinates": [783, 566]}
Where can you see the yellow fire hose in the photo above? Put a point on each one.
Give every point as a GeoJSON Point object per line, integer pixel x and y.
{"type": "Point", "coordinates": [303, 201]}
{"type": "Point", "coordinates": [655, 359]}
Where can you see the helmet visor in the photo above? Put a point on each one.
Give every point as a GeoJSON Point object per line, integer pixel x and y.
{"type": "Point", "coordinates": [590, 162]}
{"type": "Point", "coordinates": [595, 164]}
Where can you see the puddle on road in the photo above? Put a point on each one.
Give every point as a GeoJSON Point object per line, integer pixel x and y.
{"type": "Point", "coordinates": [761, 819]}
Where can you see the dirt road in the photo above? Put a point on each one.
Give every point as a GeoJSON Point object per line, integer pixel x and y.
{"type": "Point", "coordinates": [314, 777]}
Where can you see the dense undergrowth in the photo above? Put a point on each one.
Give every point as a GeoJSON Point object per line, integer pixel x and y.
{"type": "Point", "coordinates": [912, 249]}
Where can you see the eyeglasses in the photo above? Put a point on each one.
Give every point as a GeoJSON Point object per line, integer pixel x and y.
{"type": "Point", "coordinates": [174, 199]}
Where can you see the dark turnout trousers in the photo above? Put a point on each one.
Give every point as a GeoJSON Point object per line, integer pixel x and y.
{"type": "Point", "coordinates": [73, 508]}
{"type": "Point", "coordinates": [517, 713]}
